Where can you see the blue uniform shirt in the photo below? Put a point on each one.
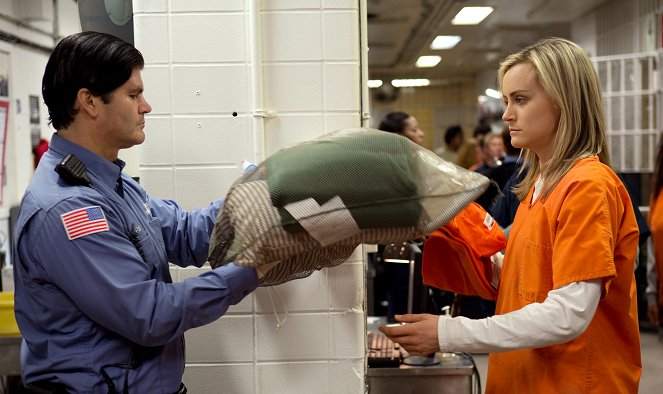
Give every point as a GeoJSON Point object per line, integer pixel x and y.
{"type": "Point", "coordinates": [96, 299]}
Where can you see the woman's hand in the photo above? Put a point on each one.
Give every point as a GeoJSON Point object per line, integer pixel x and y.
{"type": "Point", "coordinates": [418, 336]}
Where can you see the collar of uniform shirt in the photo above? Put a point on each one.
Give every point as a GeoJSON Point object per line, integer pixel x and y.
{"type": "Point", "coordinates": [104, 171]}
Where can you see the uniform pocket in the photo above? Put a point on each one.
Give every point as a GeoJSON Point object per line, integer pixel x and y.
{"type": "Point", "coordinates": [535, 271]}
{"type": "Point", "coordinates": [144, 244]}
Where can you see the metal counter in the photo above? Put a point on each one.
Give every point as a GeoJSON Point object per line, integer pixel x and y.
{"type": "Point", "coordinates": [453, 375]}
{"type": "Point", "coordinates": [10, 348]}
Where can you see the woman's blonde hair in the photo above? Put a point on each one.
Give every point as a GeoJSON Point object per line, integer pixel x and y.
{"type": "Point", "coordinates": [570, 81]}
{"type": "Point", "coordinates": [467, 154]}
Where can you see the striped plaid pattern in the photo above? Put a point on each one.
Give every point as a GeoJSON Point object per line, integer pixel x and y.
{"type": "Point", "coordinates": [249, 231]}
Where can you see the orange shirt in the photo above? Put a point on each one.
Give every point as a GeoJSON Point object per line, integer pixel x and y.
{"type": "Point", "coordinates": [457, 256]}
{"type": "Point", "coordinates": [656, 227]}
{"type": "Point", "coordinates": [585, 229]}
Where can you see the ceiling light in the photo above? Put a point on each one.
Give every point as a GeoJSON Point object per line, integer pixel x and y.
{"type": "Point", "coordinates": [409, 83]}
{"type": "Point", "coordinates": [493, 93]}
{"type": "Point", "coordinates": [471, 15]}
{"type": "Point", "coordinates": [428, 61]}
{"type": "Point", "coordinates": [399, 261]}
{"type": "Point", "coordinates": [445, 42]}
{"type": "Point", "coordinates": [374, 83]}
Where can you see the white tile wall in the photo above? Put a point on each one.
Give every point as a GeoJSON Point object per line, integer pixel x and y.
{"type": "Point", "coordinates": [198, 38]}
{"type": "Point", "coordinates": [245, 306]}
{"type": "Point", "coordinates": [141, 6]}
{"type": "Point", "coordinates": [301, 337]}
{"type": "Point", "coordinates": [294, 87]}
{"type": "Point", "coordinates": [158, 146]}
{"type": "Point", "coordinates": [210, 88]}
{"type": "Point", "coordinates": [337, 97]}
{"type": "Point", "coordinates": [291, 4]}
{"type": "Point", "coordinates": [304, 295]}
{"type": "Point", "coordinates": [277, 378]}
{"type": "Point", "coordinates": [341, 42]}
{"type": "Point", "coordinates": [198, 73]}
{"type": "Point", "coordinates": [341, 4]}
{"type": "Point", "coordinates": [218, 140]}
{"type": "Point", "coordinates": [347, 376]}
{"type": "Point", "coordinates": [159, 182]}
{"type": "Point", "coordinates": [157, 88]}
{"type": "Point", "coordinates": [219, 342]}
{"type": "Point", "coordinates": [220, 378]}
{"type": "Point", "coordinates": [345, 344]}
{"type": "Point", "coordinates": [342, 280]}
{"type": "Point", "coordinates": [282, 36]}
{"type": "Point", "coordinates": [206, 5]}
{"type": "Point", "coordinates": [292, 129]}
{"type": "Point", "coordinates": [199, 186]}
{"type": "Point", "coordinates": [146, 26]}
{"type": "Point", "coordinates": [337, 121]}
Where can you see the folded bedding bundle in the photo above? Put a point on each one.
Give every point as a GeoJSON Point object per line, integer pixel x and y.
{"type": "Point", "coordinates": [309, 206]}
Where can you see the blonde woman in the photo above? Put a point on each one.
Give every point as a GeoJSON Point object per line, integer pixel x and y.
{"type": "Point", "coordinates": [468, 155]}
{"type": "Point", "coordinates": [566, 315]}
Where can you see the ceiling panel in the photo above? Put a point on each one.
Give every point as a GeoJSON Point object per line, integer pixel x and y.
{"type": "Point", "coordinates": [399, 31]}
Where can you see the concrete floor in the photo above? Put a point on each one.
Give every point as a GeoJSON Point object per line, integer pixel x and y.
{"type": "Point", "coordinates": [651, 381]}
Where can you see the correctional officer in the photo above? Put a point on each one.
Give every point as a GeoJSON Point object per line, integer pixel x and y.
{"type": "Point", "coordinates": [95, 301]}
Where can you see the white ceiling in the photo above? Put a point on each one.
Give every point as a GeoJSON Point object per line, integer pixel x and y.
{"type": "Point", "coordinates": [399, 31]}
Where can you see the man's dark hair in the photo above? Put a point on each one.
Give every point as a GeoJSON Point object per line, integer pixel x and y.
{"type": "Point", "coordinates": [97, 61]}
{"type": "Point", "coordinates": [480, 131]}
{"type": "Point", "coordinates": [452, 132]}
{"type": "Point", "coordinates": [509, 149]}
{"type": "Point", "coordinates": [394, 122]}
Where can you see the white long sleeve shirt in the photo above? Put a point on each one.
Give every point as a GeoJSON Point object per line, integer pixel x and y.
{"type": "Point", "coordinates": [564, 315]}
{"type": "Point", "coordinates": [561, 317]}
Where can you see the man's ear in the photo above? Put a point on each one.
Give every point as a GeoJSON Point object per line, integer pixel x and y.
{"type": "Point", "coordinates": [87, 102]}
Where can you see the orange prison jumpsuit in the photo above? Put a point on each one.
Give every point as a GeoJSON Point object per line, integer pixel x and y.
{"type": "Point", "coordinates": [585, 229]}
{"type": "Point", "coordinates": [656, 227]}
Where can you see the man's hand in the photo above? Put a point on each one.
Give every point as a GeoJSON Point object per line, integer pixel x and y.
{"type": "Point", "coordinates": [263, 269]}
{"type": "Point", "coordinates": [418, 336]}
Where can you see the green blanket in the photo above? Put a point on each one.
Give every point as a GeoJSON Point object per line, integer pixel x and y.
{"type": "Point", "coordinates": [372, 172]}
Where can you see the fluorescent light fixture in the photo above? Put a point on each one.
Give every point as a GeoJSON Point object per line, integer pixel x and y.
{"type": "Point", "coordinates": [428, 61]}
{"type": "Point", "coordinates": [409, 83]}
{"type": "Point", "coordinates": [471, 15]}
{"type": "Point", "coordinates": [445, 42]}
{"type": "Point", "coordinates": [399, 261]}
{"type": "Point", "coordinates": [374, 83]}
{"type": "Point", "coordinates": [493, 93]}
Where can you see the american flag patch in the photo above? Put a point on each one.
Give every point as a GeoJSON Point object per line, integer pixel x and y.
{"type": "Point", "coordinates": [84, 221]}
